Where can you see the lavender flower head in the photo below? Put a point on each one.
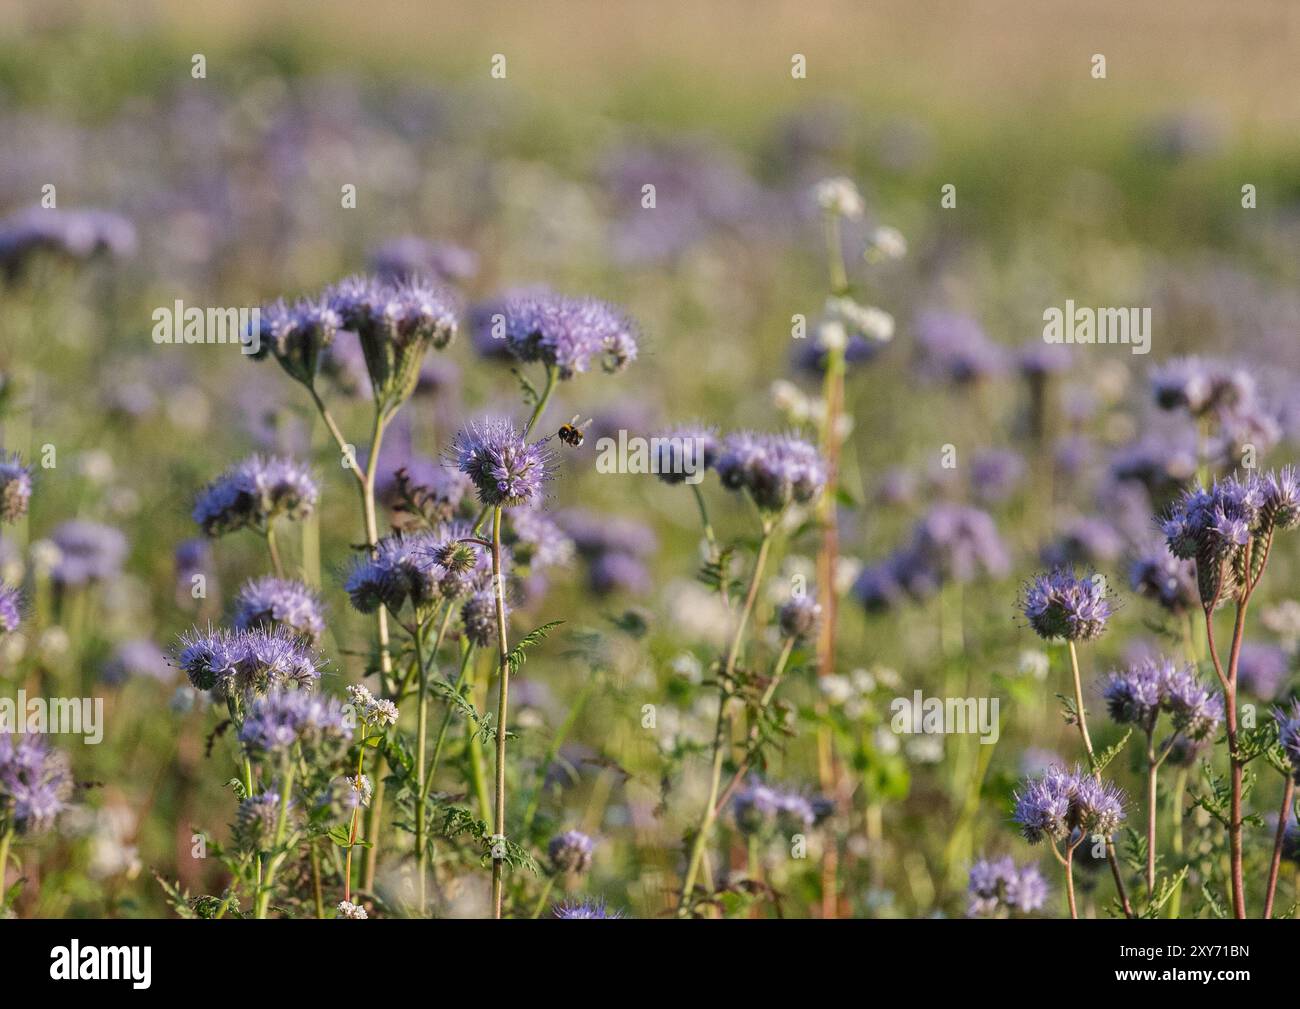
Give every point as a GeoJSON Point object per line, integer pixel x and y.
{"type": "Point", "coordinates": [798, 616]}
{"type": "Point", "coordinates": [35, 783]}
{"type": "Point", "coordinates": [72, 234]}
{"type": "Point", "coordinates": [586, 909]}
{"type": "Point", "coordinates": [1059, 605]}
{"type": "Point", "coordinates": [1136, 695]}
{"type": "Point", "coordinates": [1171, 582]}
{"type": "Point", "coordinates": [403, 570]}
{"type": "Point", "coordinates": [412, 256]}
{"type": "Point", "coordinates": [88, 552]}
{"type": "Point", "coordinates": [537, 541]}
{"type": "Point", "coordinates": [1060, 803]}
{"type": "Point", "coordinates": [775, 469]}
{"type": "Point", "coordinates": [1263, 670]}
{"type": "Point", "coordinates": [1196, 710]}
{"type": "Point", "coordinates": [569, 334]}
{"type": "Point", "coordinates": [15, 487]}
{"type": "Point", "coordinates": [283, 718]}
{"type": "Point", "coordinates": [999, 883]}
{"type": "Point", "coordinates": [571, 852]}
{"type": "Point", "coordinates": [1288, 736]}
{"type": "Point", "coordinates": [280, 602]}
{"type": "Point", "coordinates": [954, 348]}
{"type": "Point", "coordinates": [506, 470]}
{"type": "Point", "coordinates": [685, 452]}
{"type": "Point", "coordinates": [254, 493]}
{"type": "Point", "coordinates": [396, 324]}
{"type": "Point", "coordinates": [1200, 386]}
{"type": "Point", "coordinates": [255, 822]}
{"type": "Point", "coordinates": [10, 608]}
{"type": "Point", "coordinates": [758, 806]}
{"type": "Point", "coordinates": [232, 663]}
{"type": "Point", "coordinates": [479, 617]}
{"type": "Point", "coordinates": [298, 336]}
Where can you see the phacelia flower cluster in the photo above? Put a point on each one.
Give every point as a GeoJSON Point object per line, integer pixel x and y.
{"type": "Point", "coordinates": [776, 470]}
{"type": "Point", "coordinates": [298, 336]}
{"type": "Point", "coordinates": [254, 828]}
{"type": "Point", "coordinates": [15, 487]}
{"type": "Point", "coordinates": [998, 884]}
{"type": "Point", "coordinates": [72, 234]}
{"type": "Point", "coordinates": [571, 852]}
{"type": "Point", "coordinates": [505, 468]}
{"type": "Point", "coordinates": [86, 553]}
{"type": "Point", "coordinates": [35, 783]}
{"type": "Point", "coordinates": [254, 493]}
{"type": "Point", "coordinates": [280, 602]}
{"type": "Point", "coordinates": [798, 616]}
{"type": "Point", "coordinates": [239, 662]}
{"type": "Point", "coordinates": [1061, 605]}
{"type": "Point", "coordinates": [1063, 804]}
{"type": "Point", "coordinates": [686, 451]}
{"type": "Point", "coordinates": [568, 334]}
{"type": "Point", "coordinates": [1170, 581]}
{"type": "Point", "coordinates": [586, 909]}
{"type": "Point", "coordinates": [615, 549]}
{"type": "Point", "coordinates": [757, 807]}
{"type": "Point", "coordinates": [283, 718]}
{"type": "Point", "coordinates": [10, 608]}
{"type": "Point", "coordinates": [396, 323]}
{"type": "Point", "coordinates": [1288, 736]}
{"type": "Point", "coordinates": [1137, 695]}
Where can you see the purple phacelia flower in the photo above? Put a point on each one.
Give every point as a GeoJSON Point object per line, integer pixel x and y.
{"type": "Point", "coordinates": [88, 552]}
{"type": "Point", "coordinates": [1084, 541]}
{"type": "Point", "coordinates": [256, 820]}
{"type": "Point", "coordinates": [254, 493]}
{"type": "Point", "coordinates": [280, 602]}
{"type": "Point", "coordinates": [35, 783]}
{"type": "Point", "coordinates": [72, 234]}
{"type": "Point", "coordinates": [569, 334]}
{"type": "Point", "coordinates": [479, 618]}
{"type": "Point", "coordinates": [15, 487]}
{"type": "Point", "coordinates": [402, 570]}
{"type": "Point", "coordinates": [954, 348]}
{"type": "Point", "coordinates": [999, 883]}
{"type": "Point", "coordinates": [536, 540]}
{"type": "Point", "coordinates": [412, 256]}
{"type": "Point", "coordinates": [1159, 575]}
{"type": "Point", "coordinates": [1053, 807]}
{"type": "Point", "coordinates": [798, 616]}
{"type": "Point", "coordinates": [10, 608]}
{"type": "Point", "coordinates": [506, 470]}
{"type": "Point", "coordinates": [396, 325]}
{"type": "Point", "coordinates": [684, 452]}
{"type": "Point", "coordinates": [232, 663]}
{"type": "Point", "coordinates": [298, 336]}
{"type": "Point", "coordinates": [1201, 386]}
{"type": "Point", "coordinates": [1281, 505]}
{"type": "Point", "coordinates": [1061, 605]}
{"type": "Point", "coordinates": [776, 470]}
{"type": "Point", "coordinates": [1135, 696]}
{"type": "Point", "coordinates": [996, 474]}
{"type": "Point", "coordinates": [1263, 670]}
{"type": "Point", "coordinates": [1196, 711]}
{"type": "Point", "coordinates": [586, 909]}
{"type": "Point", "coordinates": [571, 852]}
{"type": "Point", "coordinates": [616, 571]}
{"type": "Point", "coordinates": [282, 718]}
{"type": "Point", "coordinates": [140, 658]}
{"type": "Point", "coordinates": [1288, 736]}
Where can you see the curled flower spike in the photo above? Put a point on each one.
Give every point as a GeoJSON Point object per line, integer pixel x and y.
{"type": "Point", "coordinates": [1135, 696]}
{"type": "Point", "coordinates": [396, 323]}
{"type": "Point", "coordinates": [568, 334]}
{"type": "Point", "coordinates": [402, 570]}
{"type": "Point", "coordinates": [15, 487]}
{"type": "Point", "coordinates": [232, 663]}
{"type": "Point", "coordinates": [35, 783]}
{"type": "Point", "coordinates": [254, 493]}
{"type": "Point", "coordinates": [776, 470]}
{"type": "Point", "coordinates": [1157, 574]}
{"type": "Point", "coordinates": [505, 469]}
{"type": "Point", "coordinates": [254, 828]}
{"type": "Point", "coordinates": [280, 602]}
{"type": "Point", "coordinates": [571, 852]}
{"type": "Point", "coordinates": [1059, 605]}
{"type": "Point", "coordinates": [479, 616]}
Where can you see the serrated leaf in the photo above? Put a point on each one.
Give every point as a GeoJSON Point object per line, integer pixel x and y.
{"type": "Point", "coordinates": [518, 655]}
{"type": "Point", "coordinates": [1111, 752]}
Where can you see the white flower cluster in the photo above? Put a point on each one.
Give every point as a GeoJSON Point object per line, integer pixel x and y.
{"type": "Point", "coordinates": [370, 708]}
{"type": "Point", "coordinates": [347, 909]}
{"type": "Point", "coordinates": [839, 196]}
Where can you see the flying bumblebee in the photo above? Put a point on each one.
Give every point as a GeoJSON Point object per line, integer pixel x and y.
{"type": "Point", "coordinates": [572, 433]}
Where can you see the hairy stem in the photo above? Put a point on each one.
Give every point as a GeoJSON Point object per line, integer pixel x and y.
{"type": "Point", "coordinates": [1284, 814]}
{"type": "Point", "coordinates": [499, 819]}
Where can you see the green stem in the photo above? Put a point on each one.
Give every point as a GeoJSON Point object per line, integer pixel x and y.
{"type": "Point", "coordinates": [274, 551]}
{"type": "Point", "coordinates": [273, 866]}
{"type": "Point", "coordinates": [421, 736]}
{"type": "Point", "coordinates": [5, 840]}
{"type": "Point", "coordinates": [541, 901]}
{"type": "Point", "coordinates": [446, 718]}
{"type": "Point", "coordinates": [722, 728]}
{"type": "Point", "coordinates": [499, 819]}
{"type": "Point", "coordinates": [552, 375]}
